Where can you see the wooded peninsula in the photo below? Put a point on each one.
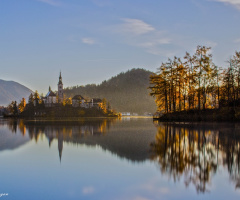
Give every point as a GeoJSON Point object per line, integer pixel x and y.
{"type": "Point", "coordinates": [194, 88]}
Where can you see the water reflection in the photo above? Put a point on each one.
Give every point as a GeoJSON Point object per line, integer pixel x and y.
{"type": "Point", "coordinates": [126, 139]}
{"type": "Point", "coordinates": [63, 131]}
{"type": "Point", "coordinates": [183, 151]}
{"type": "Point", "coordinates": [196, 151]}
{"type": "Point", "coordinates": [12, 139]}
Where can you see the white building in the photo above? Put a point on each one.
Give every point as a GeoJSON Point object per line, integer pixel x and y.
{"type": "Point", "coordinates": [51, 98]}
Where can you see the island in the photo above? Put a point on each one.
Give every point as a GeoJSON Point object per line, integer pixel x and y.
{"type": "Point", "coordinates": [57, 106]}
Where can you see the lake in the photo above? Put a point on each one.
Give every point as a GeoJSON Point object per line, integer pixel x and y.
{"type": "Point", "coordinates": [126, 158]}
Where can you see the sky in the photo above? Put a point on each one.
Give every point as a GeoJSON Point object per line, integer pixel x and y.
{"type": "Point", "coordinates": [92, 40]}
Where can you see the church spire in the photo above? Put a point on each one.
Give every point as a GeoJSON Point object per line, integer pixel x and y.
{"type": "Point", "coordinates": [60, 89]}
{"type": "Point", "coordinates": [60, 78]}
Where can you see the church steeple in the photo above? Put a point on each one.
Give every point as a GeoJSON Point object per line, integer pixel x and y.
{"type": "Point", "coordinates": [60, 89]}
{"type": "Point", "coordinates": [60, 78]}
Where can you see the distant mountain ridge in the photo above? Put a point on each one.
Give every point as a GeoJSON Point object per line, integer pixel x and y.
{"type": "Point", "coordinates": [12, 91]}
{"type": "Point", "coordinates": [126, 92]}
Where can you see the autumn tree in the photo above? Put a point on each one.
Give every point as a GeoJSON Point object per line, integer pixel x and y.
{"type": "Point", "coordinates": [67, 101]}
{"type": "Point", "coordinates": [104, 105]}
{"type": "Point", "coordinates": [191, 79]}
{"type": "Point", "coordinates": [203, 69]}
{"type": "Point", "coordinates": [178, 85]}
{"type": "Point", "coordinates": [22, 105]}
{"type": "Point", "coordinates": [160, 89]}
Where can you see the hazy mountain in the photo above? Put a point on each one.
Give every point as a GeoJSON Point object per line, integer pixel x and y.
{"type": "Point", "coordinates": [12, 91]}
{"type": "Point", "coordinates": [126, 92]}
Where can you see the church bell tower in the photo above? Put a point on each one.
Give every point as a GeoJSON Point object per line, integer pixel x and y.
{"type": "Point", "coordinates": [60, 89]}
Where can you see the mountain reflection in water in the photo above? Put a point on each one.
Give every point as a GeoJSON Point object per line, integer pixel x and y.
{"type": "Point", "coordinates": [129, 140]}
{"type": "Point", "coordinates": [195, 151]}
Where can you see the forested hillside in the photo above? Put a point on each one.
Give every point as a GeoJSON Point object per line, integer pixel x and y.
{"type": "Point", "coordinates": [126, 92]}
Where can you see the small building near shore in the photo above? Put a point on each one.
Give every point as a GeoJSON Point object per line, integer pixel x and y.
{"type": "Point", "coordinates": [50, 99]}
{"type": "Point", "coordinates": [95, 102]}
{"type": "Point", "coordinates": [78, 101]}
{"type": "Point", "coordinates": [126, 114]}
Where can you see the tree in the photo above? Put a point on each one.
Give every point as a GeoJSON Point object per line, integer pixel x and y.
{"type": "Point", "coordinates": [191, 79]}
{"type": "Point", "coordinates": [31, 100]}
{"type": "Point", "coordinates": [202, 66]}
{"type": "Point", "coordinates": [12, 107]}
{"type": "Point", "coordinates": [160, 88]}
{"type": "Point", "coordinates": [36, 98]}
{"type": "Point", "coordinates": [104, 105]}
{"type": "Point", "coordinates": [178, 83]}
{"type": "Point", "coordinates": [22, 105]}
{"type": "Point", "coordinates": [67, 101]}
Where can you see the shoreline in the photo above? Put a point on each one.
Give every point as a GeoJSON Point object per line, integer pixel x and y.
{"type": "Point", "coordinates": [76, 119]}
{"type": "Point", "coordinates": [207, 115]}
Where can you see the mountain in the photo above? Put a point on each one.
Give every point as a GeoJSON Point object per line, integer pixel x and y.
{"type": "Point", "coordinates": [126, 92]}
{"type": "Point", "coordinates": [12, 91]}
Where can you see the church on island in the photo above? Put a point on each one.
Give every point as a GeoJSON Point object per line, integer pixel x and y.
{"type": "Point", "coordinates": [53, 99]}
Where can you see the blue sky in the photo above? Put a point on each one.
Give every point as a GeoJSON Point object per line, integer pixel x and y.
{"type": "Point", "coordinates": [93, 40]}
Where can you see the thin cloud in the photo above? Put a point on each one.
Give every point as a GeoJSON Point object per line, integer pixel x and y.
{"type": "Point", "coordinates": [235, 3]}
{"type": "Point", "coordinates": [135, 26]}
{"type": "Point", "coordinates": [237, 40]}
{"type": "Point", "coordinates": [89, 41]}
{"type": "Point", "coordinates": [154, 43]}
{"type": "Point", "coordinates": [102, 3]}
{"type": "Point", "coordinates": [136, 32]}
{"type": "Point", "coordinates": [50, 2]}
{"type": "Point", "coordinates": [88, 190]}
{"type": "Point", "coordinates": [211, 44]}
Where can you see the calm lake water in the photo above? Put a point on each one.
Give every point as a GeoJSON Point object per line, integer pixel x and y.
{"type": "Point", "coordinates": [119, 159]}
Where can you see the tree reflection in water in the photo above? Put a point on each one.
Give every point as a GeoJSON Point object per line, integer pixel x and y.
{"type": "Point", "coordinates": [196, 151]}
{"type": "Point", "coordinates": [190, 151]}
{"type": "Point", "coordinates": [63, 131]}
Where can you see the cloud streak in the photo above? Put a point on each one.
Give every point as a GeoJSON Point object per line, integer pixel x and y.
{"type": "Point", "coordinates": [50, 2]}
{"type": "Point", "coordinates": [235, 3]}
{"type": "Point", "coordinates": [136, 27]}
{"type": "Point", "coordinates": [237, 40]}
{"type": "Point", "coordinates": [89, 41]}
{"type": "Point", "coordinates": [140, 34]}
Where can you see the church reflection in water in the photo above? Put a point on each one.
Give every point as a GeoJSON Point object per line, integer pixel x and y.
{"type": "Point", "coordinates": [195, 152]}
{"type": "Point", "coordinates": [70, 132]}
